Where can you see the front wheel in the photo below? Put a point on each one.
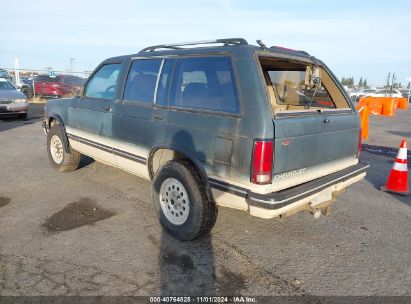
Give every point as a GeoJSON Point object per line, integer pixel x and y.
{"type": "Point", "coordinates": [59, 158]}
{"type": "Point", "coordinates": [180, 201]}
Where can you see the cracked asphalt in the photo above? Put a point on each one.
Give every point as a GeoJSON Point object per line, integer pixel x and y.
{"type": "Point", "coordinates": [94, 232]}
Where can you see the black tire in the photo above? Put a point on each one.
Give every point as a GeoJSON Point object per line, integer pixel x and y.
{"type": "Point", "coordinates": [22, 116]}
{"type": "Point", "coordinates": [70, 161]}
{"type": "Point", "coordinates": [27, 91]}
{"type": "Point", "coordinates": [202, 212]}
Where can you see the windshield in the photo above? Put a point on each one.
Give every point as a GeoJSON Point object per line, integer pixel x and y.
{"type": "Point", "coordinates": [4, 74]}
{"type": "Point", "coordinates": [5, 85]}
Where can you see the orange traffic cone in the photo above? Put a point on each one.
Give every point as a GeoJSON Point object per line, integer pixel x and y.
{"type": "Point", "coordinates": [397, 182]}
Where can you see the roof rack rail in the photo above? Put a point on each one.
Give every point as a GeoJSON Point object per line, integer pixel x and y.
{"type": "Point", "coordinates": [177, 46]}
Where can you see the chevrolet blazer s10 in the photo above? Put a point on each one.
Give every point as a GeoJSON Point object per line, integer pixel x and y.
{"type": "Point", "coordinates": [267, 130]}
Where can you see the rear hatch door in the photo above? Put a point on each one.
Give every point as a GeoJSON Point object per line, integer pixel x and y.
{"type": "Point", "coordinates": [304, 140]}
{"type": "Point", "coordinates": [314, 123]}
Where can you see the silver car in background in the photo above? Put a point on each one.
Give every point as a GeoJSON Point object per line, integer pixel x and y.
{"type": "Point", "coordinates": [11, 100]}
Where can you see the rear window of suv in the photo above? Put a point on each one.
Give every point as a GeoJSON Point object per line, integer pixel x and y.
{"type": "Point", "coordinates": [205, 83]}
{"type": "Point", "coordinates": [288, 86]}
{"type": "Point", "coordinates": [287, 89]}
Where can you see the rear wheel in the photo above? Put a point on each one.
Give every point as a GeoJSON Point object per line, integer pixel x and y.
{"type": "Point", "coordinates": [181, 202]}
{"type": "Point", "coordinates": [59, 158]}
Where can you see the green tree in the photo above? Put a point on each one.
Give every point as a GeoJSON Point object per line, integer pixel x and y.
{"type": "Point", "coordinates": [409, 85]}
{"type": "Point", "coordinates": [347, 81]}
{"type": "Point", "coordinates": [360, 83]}
{"type": "Point", "coordinates": [365, 84]}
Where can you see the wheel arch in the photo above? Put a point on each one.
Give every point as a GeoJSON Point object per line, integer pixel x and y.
{"type": "Point", "coordinates": [163, 153]}
{"type": "Point", "coordinates": [55, 119]}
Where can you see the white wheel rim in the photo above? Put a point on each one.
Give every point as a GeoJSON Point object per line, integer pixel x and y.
{"type": "Point", "coordinates": [174, 201]}
{"type": "Point", "coordinates": [56, 149]}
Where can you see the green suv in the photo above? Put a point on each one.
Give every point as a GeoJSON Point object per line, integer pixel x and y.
{"type": "Point", "coordinates": [267, 130]}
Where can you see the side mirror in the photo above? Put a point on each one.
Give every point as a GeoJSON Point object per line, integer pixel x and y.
{"type": "Point", "coordinates": [312, 77]}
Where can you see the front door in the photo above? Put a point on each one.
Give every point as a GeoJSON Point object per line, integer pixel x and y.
{"type": "Point", "coordinates": [91, 120]}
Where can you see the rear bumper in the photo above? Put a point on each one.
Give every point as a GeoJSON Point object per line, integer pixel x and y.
{"type": "Point", "coordinates": [310, 195]}
{"type": "Point", "coordinates": [285, 197]}
{"type": "Point", "coordinates": [14, 108]}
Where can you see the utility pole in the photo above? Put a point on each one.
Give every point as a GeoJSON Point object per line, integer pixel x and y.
{"type": "Point", "coordinates": [392, 84]}
{"type": "Point", "coordinates": [71, 65]}
{"type": "Point", "coordinates": [16, 71]}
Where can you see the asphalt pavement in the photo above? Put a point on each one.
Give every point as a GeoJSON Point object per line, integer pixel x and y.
{"type": "Point", "coordinates": [94, 232]}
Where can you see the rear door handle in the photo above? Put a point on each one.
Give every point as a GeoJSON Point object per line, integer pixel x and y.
{"type": "Point", "coordinates": [106, 109]}
{"type": "Point", "coordinates": [326, 121]}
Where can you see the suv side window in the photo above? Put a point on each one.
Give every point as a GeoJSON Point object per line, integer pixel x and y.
{"type": "Point", "coordinates": [165, 82]}
{"type": "Point", "coordinates": [103, 83]}
{"type": "Point", "coordinates": [141, 80]}
{"type": "Point", "coordinates": [205, 83]}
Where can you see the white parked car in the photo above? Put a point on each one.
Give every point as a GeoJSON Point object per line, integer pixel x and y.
{"type": "Point", "coordinates": [11, 100]}
{"type": "Point", "coordinates": [386, 93]}
{"type": "Point", "coordinates": [361, 93]}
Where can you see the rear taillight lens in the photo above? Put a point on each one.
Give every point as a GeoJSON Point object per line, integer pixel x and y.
{"type": "Point", "coordinates": [359, 144]}
{"type": "Point", "coordinates": [262, 162]}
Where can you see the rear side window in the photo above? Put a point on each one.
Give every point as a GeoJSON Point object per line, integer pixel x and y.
{"type": "Point", "coordinates": [141, 80]}
{"type": "Point", "coordinates": [165, 82]}
{"type": "Point", "coordinates": [103, 83]}
{"type": "Point", "coordinates": [205, 83]}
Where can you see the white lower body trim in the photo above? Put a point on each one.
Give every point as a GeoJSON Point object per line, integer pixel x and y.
{"type": "Point", "coordinates": [112, 152]}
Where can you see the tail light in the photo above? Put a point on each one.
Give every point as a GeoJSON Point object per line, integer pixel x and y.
{"type": "Point", "coordinates": [359, 144]}
{"type": "Point", "coordinates": [262, 162]}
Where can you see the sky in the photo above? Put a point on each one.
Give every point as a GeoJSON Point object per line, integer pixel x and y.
{"type": "Point", "coordinates": [354, 38]}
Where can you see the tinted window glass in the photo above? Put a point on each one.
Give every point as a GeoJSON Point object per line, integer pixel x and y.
{"type": "Point", "coordinates": [103, 82]}
{"type": "Point", "coordinates": [141, 80]}
{"type": "Point", "coordinates": [165, 81]}
{"type": "Point", "coordinates": [205, 83]}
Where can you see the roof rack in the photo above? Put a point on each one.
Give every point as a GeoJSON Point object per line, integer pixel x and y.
{"type": "Point", "coordinates": [178, 46]}
{"type": "Point", "coordinates": [281, 48]}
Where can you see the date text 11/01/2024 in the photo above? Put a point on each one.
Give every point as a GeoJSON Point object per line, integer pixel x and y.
{"type": "Point", "coordinates": [202, 299]}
